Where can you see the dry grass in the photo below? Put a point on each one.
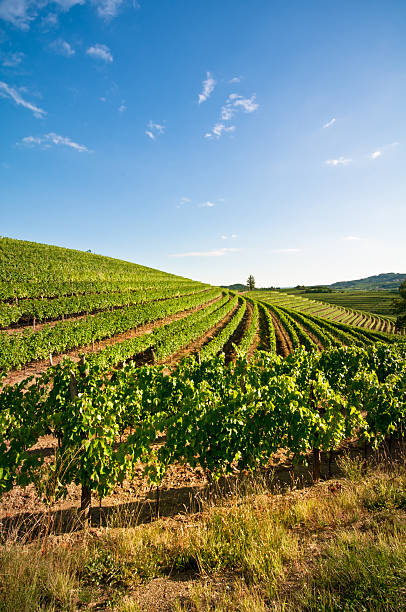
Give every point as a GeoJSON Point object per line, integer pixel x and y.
{"type": "Point", "coordinates": [338, 545]}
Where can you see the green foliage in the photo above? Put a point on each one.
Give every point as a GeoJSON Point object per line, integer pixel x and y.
{"type": "Point", "coordinates": [215, 416]}
{"type": "Point", "coordinates": [400, 308]}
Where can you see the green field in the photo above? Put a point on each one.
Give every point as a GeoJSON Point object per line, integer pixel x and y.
{"type": "Point", "coordinates": [378, 302]}
{"type": "Point", "coordinates": [121, 378]}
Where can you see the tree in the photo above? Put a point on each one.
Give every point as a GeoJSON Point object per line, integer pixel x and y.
{"type": "Point", "coordinates": [251, 282]}
{"type": "Point", "coordinates": [400, 307]}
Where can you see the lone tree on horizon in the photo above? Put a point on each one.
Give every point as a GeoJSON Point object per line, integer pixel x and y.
{"type": "Point", "coordinates": [251, 282]}
{"type": "Point", "coordinates": [400, 307]}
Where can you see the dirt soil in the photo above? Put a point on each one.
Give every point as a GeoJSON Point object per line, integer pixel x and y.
{"type": "Point", "coordinates": [283, 342]}
{"type": "Point", "coordinates": [36, 368]}
{"type": "Point", "coordinates": [245, 322]}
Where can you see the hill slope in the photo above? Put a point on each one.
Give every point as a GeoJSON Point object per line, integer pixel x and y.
{"type": "Point", "coordinates": [30, 269]}
{"type": "Point", "coordinates": [390, 281]}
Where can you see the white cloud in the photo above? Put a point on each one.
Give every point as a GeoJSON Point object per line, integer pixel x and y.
{"type": "Point", "coordinates": [234, 236]}
{"type": "Point", "coordinates": [9, 92]}
{"type": "Point", "coordinates": [218, 130]}
{"type": "Point", "coordinates": [12, 60]}
{"type": "Point", "coordinates": [62, 48]}
{"type": "Point", "coordinates": [66, 5]}
{"type": "Point", "coordinates": [213, 253]}
{"type": "Point", "coordinates": [107, 8]}
{"type": "Point", "coordinates": [224, 237]}
{"type": "Point", "coordinates": [100, 52]}
{"type": "Point", "coordinates": [236, 102]}
{"type": "Point", "coordinates": [247, 104]}
{"type": "Point", "coordinates": [51, 139]}
{"type": "Point", "coordinates": [183, 201]}
{"type": "Point", "coordinates": [286, 250]}
{"type": "Point", "coordinates": [233, 104]}
{"type": "Point", "coordinates": [207, 204]}
{"type": "Point", "coordinates": [122, 108]}
{"type": "Point", "coordinates": [330, 123]}
{"type": "Point", "coordinates": [235, 80]}
{"type": "Point", "coordinates": [208, 87]}
{"type": "Point", "coordinates": [341, 161]}
{"type": "Point", "coordinates": [352, 238]}
{"type": "Point", "coordinates": [154, 129]}
{"type": "Point", "coordinates": [21, 13]}
{"type": "Point", "coordinates": [379, 152]}
{"type": "Point", "coordinates": [18, 12]}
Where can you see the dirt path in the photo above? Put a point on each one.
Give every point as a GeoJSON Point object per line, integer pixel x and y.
{"type": "Point", "coordinates": [245, 322]}
{"type": "Point", "coordinates": [312, 337]}
{"type": "Point", "coordinates": [256, 342]}
{"type": "Point", "coordinates": [19, 328]}
{"type": "Point", "coordinates": [283, 343]}
{"type": "Point", "coordinates": [195, 346]}
{"type": "Point", "coordinates": [36, 368]}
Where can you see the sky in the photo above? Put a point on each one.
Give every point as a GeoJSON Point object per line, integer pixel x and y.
{"type": "Point", "coordinates": [212, 139]}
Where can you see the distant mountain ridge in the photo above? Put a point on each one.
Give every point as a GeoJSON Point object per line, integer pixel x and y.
{"type": "Point", "coordinates": [390, 281]}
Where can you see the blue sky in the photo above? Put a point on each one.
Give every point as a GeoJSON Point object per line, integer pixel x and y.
{"type": "Point", "coordinates": [213, 139]}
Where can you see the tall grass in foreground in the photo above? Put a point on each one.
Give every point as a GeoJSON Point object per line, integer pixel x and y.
{"type": "Point", "coordinates": [340, 545]}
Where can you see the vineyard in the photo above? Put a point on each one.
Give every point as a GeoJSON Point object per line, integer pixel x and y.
{"type": "Point", "coordinates": [327, 306]}
{"type": "Point", "coordinates": [114, 374]}
{"type": "Point", "coordinates": [86, 360]}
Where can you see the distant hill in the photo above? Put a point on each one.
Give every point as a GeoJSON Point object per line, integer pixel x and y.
{"type": "Point", "coordinates": [390, 281]}
{"type": "Point", "coordinates": [235, 287]}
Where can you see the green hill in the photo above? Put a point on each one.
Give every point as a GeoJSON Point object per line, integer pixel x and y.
{"type": "Point", "coordinates": [390, 281]}
{"type": "Point", "coordinates": [30, 269]}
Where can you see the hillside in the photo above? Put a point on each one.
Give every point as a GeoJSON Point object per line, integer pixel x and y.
{"type": "Point", "coordinates": [30, 269]}
{"type": "Point", "coordinates": [390, 281]}
{"type": "Point", "coordinates": [132, 395]}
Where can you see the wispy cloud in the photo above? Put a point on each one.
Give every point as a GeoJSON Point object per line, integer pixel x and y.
{"type": "Point", "coordinates": [286, 250]}
{"type": "Point", "coordinates": [9, 92]}
{"type": "Point", "coordinates": [208, 87]}
{"type": "Point", "coordinates": [225, 237]}
{"type": "Point", "coordinates": [20, 13]}
{"type": "Point", "coordinates": [183, 201]}
{"type": "Point", "coordinates": [65, 5]}
{"type": "Point", "coordinates": [62, 48]}
{"type": "Point", "coordinates": [52, 139]}
{"type": "Point", "coordinates": [379, 152]}
{"type": "Point", "coordinates": [234, 103]}
{"type": "Point", "coordinates": [330, 123]}
{"type": "Point", "coordinates": [218, 130]}
{"type": "Point", "coordinates": [235, 80]}
{"type": "Point", "coordinates": [154, 129]}
{"type": "Point", "coordinates": [213, 253]}
{"type": "Point", "coordinates": [122, 108]}
{"type": "Point", "coordinates": [207, 204]}
{"type": "Point", "coordinates": [100, 52]}
{"type": "Point", "coordinates": [107, 9]}
{"type": "Point", "coordinates": [12, 60]}
{"type": "Point", "coordinates": [352, 238]}
{"type": "Point", "coordinates": [341, 161]}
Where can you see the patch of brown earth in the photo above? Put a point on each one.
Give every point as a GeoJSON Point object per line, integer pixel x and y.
{"type": "Point", "coordinates": [283, 342]}
{"type": "Point", "coordinates": [36, 368]}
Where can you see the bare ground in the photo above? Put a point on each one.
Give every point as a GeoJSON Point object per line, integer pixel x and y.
{"type": "Point", "coordinates": [283, 342]}
{"type": "Point", "coordinates": [36, 368]}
